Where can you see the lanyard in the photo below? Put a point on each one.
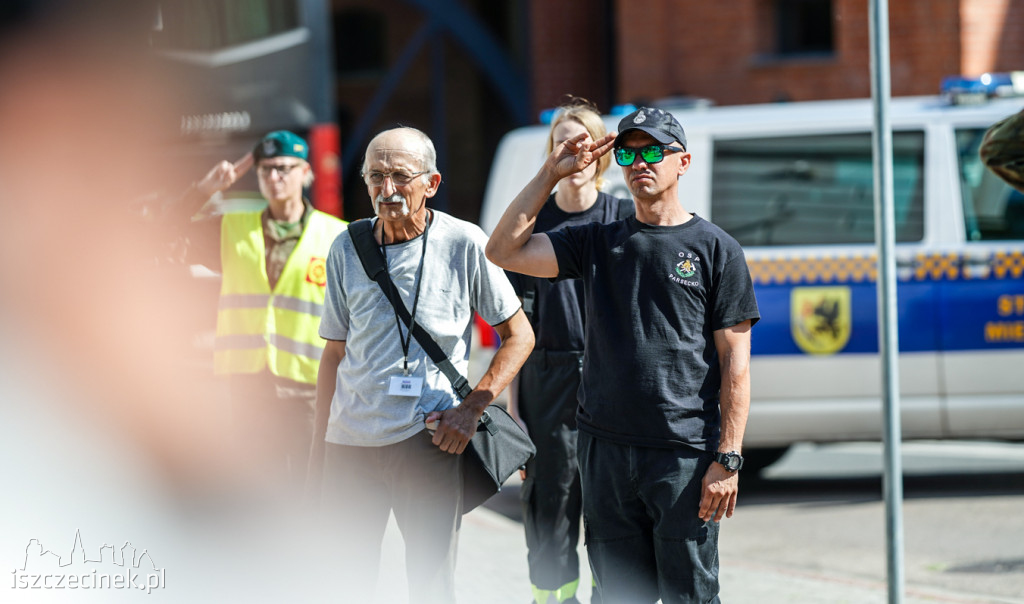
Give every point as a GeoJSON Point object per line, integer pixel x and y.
{"type": "Point", "coordinates": [406, 340]}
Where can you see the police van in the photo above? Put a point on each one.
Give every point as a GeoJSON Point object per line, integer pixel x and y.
{"type": "Point", "coordinates": [793, 183]}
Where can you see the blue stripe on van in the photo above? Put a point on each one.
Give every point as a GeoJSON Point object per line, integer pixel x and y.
{"type": "Point", "coordinates": [944, 303]}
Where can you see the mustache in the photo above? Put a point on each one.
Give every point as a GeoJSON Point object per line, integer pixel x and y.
{"type": "Point", "coordinates": [393, 198]}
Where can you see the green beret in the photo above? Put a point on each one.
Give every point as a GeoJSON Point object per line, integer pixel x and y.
{"type": "Point", "coordinates": [281, 143]}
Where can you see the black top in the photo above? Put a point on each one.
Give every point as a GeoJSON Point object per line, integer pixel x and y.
{"type": "Point", "coordinates": [653, 297]}
{"type": "Point", "coordinates": [556, 309]}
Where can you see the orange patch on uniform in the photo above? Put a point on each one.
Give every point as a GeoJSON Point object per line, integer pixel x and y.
{"type": "Point", "coordinates": [316, 272]}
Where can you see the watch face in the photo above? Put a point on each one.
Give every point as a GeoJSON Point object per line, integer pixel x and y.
{"type": "Point", "coordinates": [732, 461]}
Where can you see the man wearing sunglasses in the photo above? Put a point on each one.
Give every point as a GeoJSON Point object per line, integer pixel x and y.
{"type": "Point", "coordinates": [666, 388]}
{"type": "Point", "coordinates": [272, 264]}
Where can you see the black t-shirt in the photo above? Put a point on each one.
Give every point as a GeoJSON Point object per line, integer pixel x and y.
{"type": "Point", "coordinates": [556, 309]}
{"type": "Point", "coordinates": [653, 298]}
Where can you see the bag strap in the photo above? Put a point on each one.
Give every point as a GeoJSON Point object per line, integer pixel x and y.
{"type": "Point", "coordinates": [372, 260]}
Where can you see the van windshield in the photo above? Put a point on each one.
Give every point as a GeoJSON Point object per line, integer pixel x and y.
{"type": "Point", "coordinates": [813, 190]}
{"type": "Point", "coordinates": [993, 210]}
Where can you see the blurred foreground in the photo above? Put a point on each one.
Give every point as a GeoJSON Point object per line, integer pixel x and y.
{"type": "Point", "coordinates": [113, 431]}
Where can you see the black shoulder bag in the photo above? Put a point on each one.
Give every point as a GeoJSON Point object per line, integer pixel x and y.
{"type": "Point", "coordinates": [500, 446]}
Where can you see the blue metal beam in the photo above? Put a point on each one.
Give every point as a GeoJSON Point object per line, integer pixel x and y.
{"type": "Point", "coordinates": [482, 49]}
{"type": "Point", "coordinates": [447, 17]}
{"type": "Point", "coordinates": [357, 139]}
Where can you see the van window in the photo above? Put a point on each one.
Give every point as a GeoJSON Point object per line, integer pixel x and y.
{"type": "Point", "coordinates": [812, 190]}
{"type": "Point", "coordinates": [993, 210]}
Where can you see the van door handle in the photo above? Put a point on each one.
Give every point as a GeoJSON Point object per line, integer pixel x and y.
{"type": "Point", "coordinates": [976, 266]}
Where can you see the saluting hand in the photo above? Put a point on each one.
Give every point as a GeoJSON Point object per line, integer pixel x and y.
{"type": "Point", "coordinates": [223, 175]}
{"type": "Point", "coordinates": [578, 152]}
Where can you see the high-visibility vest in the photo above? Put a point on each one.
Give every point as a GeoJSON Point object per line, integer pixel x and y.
{"type": "Point", "coordinates": [258, 328]}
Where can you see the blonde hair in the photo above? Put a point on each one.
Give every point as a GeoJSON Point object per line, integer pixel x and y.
{"type": "Point", "coordinates": [585, 113]}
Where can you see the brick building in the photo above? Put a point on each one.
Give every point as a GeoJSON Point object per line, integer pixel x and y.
{"type": "Point", "coordinates": [467, 71]}
{"type": "Point", "coordinates": [751, 51]}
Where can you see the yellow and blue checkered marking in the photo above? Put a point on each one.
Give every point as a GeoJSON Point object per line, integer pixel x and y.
{"type": "Point", "coordinates": [1008, 265]}
{"type": "Point", "coordinates": [828, 269]}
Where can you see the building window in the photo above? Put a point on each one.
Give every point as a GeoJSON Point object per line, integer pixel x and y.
{"type": "Point", "coordinates": [360, 39]}
{"type": "Point", "coordinates": [803, 27]}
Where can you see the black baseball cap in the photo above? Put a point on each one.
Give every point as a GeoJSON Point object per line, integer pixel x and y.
{"type": "Point", "coordinates": [660, 124]}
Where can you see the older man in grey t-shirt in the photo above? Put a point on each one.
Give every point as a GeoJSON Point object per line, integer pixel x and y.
{"type": "Point", "coordinates": [370, 430]}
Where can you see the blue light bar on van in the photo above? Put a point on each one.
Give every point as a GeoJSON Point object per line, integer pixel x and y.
{"type": "Point", "coordinates": [962, 90]}
{"type": "Point", "coordinates": [625, 109]}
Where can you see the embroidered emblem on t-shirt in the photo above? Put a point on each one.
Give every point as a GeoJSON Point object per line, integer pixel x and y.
{"type": "Point", "coordinates": [686, 270]}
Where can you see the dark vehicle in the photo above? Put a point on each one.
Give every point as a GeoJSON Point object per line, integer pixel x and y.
{"type": "Point", "coordinates": [246, 67]}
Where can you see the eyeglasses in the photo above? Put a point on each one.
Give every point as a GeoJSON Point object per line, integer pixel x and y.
{"type": "Point", "coordinates": [282, 170]}
{"type": "Point", "coordinates": [651, 154]}
{"type": "Point", "coordinates": [400, 179]}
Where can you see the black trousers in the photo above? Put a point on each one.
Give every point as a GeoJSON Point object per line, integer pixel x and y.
{"type": "Point", "coordinates": [644, 537]}
{"type": "Point", "coordinates": [551, 497]}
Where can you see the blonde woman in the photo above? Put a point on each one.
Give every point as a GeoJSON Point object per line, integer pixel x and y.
{"type": "Point", "coordinates": [545, 400]}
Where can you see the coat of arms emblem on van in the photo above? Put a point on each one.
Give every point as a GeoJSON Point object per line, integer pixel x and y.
{"type": "Point", "coordinates": [820, 318]}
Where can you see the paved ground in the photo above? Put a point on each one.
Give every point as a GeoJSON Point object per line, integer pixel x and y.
{"type": "Point", "coordinates": [492, 569]}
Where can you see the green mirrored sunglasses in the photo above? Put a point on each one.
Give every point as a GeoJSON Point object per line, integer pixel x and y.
{"type": "Point", "coordinates": [651, 154]}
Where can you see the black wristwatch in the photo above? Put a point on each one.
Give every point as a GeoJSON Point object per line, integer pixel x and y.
{"type": "Point", "coordinates": [732, 460]}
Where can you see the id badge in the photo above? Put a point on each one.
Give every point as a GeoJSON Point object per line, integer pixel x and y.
{"type": "Point", "coordinates": [405, 385]}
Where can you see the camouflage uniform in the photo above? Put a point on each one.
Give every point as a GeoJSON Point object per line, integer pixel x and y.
{"type": "Point", "coordinates": [280, 239]}
{"type": "Point", "coordinates": [1002, 150]}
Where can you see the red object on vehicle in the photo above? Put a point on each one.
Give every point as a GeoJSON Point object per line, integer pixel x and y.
{"type": "Point", "coordinates": [325, 158]}
{"type": "Point", "coordinates": [488, 337]}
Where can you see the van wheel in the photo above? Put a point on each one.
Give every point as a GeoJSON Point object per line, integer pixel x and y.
{"type": "Point", "coordinates": [756, 460]}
